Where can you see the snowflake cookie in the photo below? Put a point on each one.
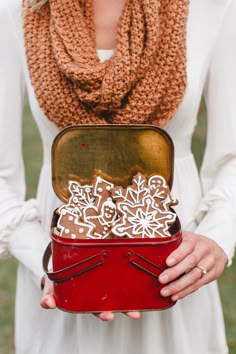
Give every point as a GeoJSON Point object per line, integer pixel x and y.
{"type": "Point", "coordinates": [144, 208]}
{"type": "Point", "coordinates": [143, 220]}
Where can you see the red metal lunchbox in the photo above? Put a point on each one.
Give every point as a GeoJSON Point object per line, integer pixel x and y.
{"type": "Point", "coordinates": [93, 275]}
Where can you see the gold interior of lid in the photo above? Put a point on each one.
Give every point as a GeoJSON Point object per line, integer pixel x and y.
{"type": "Point", "coordinates": [115, 152]}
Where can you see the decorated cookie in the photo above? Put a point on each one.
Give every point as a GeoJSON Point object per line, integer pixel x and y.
{"type": "Point", "coordinates": [143, 220]}
{"type": "Point", "coordinates": [102, 221]}
{"type": "Point", "coordinates": [101, 191]}
{"type": "Point", "coordinates": [70, 227]}
{"type": "Point", "coordinates": [160, 190]}
{"type": "Point", "coordinates": [80, 197]}
{"type": "Point", "coordinates": [100, 210]}
{"type": "Point", "coordinates": [134, 193]}
{"type": "Point", "coordinates": [158, 187]}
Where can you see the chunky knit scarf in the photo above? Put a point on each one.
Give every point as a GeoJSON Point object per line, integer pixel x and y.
{"type": "Point", "coordinates": [143, 82]}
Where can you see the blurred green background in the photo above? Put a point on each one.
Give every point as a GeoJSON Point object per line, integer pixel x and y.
{"type": "Point", "coordinates": [33, 158]}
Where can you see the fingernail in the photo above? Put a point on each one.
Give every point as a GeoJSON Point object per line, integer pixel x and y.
{"type": "Point", "coordinates": [110, 316]}
{"type": "Point", "coordinates": [165, 292]}
{"type": "Point", "coordinates": [175, 298]}
{"type": "Point", "coordinates": [171, 261]}
{"type": "Point", "coordinates": [163, 278]}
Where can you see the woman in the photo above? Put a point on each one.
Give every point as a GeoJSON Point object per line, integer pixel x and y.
{"type": "Point", "coordinates": [165, 55]}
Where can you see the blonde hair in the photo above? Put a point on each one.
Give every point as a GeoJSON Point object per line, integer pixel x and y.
{"type": "Point", "coordinates": [37, 4]}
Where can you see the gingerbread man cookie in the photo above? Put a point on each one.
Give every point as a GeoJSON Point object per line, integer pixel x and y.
{"type": "Point", "coordinates": [160, 190]}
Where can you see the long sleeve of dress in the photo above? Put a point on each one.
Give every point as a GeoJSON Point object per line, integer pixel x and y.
{"type": "Point", "coordinates": [217, 214]}
{"type": "Point", "coordinates": [20, 231]}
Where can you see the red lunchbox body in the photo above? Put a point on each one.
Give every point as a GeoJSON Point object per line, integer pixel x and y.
{"type": "Point", "coordinates": [115, 274]}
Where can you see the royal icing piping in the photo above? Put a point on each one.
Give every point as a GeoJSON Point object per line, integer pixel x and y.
{"type": "Point", "coordinates": [100, 210]}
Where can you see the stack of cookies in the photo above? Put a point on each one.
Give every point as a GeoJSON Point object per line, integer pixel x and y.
{"type": "Point", "coordinates": [102, 210]}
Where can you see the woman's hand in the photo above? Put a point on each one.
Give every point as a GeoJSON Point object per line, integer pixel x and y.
{"type": "Point", "coordinates": [48, 302]}
{"type": "Point", "coordinates": [196, 262]}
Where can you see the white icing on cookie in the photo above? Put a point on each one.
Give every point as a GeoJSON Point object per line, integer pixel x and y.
{"type": "Point", "coordinates": [143, 220]}
{"type": "Point", "coordinates": [101, 191]}
{"type": "Point", "coordinates": [69, 226]}
{"type": "Point", "coordinates": [101, 210]}
{"type": "Point", "coordinates": [102, 221]}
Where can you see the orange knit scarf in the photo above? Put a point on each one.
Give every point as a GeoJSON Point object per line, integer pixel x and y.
{"type": "Point", "coordinates": [143, 82]}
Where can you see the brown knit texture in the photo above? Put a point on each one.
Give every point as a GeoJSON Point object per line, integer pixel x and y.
{"type": "Point", "coordinates": [143, 82]}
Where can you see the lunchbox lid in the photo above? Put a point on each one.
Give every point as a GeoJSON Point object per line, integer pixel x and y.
{"type": "Point", "coordinates": [113, 151]}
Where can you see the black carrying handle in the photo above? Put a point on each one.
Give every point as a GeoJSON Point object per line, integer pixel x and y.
{"type": "Point", "coordinates": [73, 270]}
{"type": "Point", "coordinates": [144, 264]}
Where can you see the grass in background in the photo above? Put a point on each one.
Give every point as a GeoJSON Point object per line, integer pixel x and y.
{"type": "Point", "coordinates": [33, 159]}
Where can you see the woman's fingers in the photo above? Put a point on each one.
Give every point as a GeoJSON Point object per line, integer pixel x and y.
{"type": "Point", "coordinates": [186, 247]}
{"type": "Point", "coordinates": [182, 259]}
{"type": "Point", "coordinates": [191, 286]}
{"type": "Point", "coordinates": [109, 316]}
{"type": "Point", "coordinates": [188, 283]}
{"type": "Point", "coordinates": [47, 300]}
{"type": "Point", "coordinates": [185, 267]}
{"type": "Point", "coordinates": [135, 315]}
{"type": "Point", "coordinates": [198, 261]}
{"type": "Point", "coordinates": [105, 316]}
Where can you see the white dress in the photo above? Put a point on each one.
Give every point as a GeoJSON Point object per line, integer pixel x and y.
{"type": "Point", "coordinates": [207, 205]}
